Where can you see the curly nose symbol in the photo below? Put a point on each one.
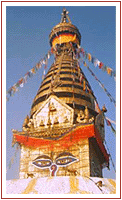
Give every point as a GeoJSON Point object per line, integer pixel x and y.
{"type": "Point", "coordinates": [53, 168]}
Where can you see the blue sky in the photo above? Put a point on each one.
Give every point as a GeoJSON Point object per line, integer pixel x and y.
{"type": "Point", "coordinates": [27, 41]}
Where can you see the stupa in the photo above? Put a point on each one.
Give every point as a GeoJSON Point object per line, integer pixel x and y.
{"type": "Point", "coordinates": [64, 135]}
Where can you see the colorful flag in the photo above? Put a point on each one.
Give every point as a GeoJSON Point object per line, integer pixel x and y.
{"type": "Point", "coordinates": [108, 122]}
{"type": "Point", "coordinates": [96, 62]}
{"type": "Point", "coordinates": [84, 63]}
{"type": "Point", "coordinates": [92, 60]}
{"type": "Point", "coordinates": [89, 57]}
{"type": "Point", "coordinates": [83, 52]}
{"type": "Point", "coordinates": [33, 70]}
{"type": "Point", "coordinates": [109, 71]}
{"type": "Point", "coordinates": [101, 65]}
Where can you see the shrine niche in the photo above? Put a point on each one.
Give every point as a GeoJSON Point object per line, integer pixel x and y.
{"type": "Point", "coordinates": [53, 113]}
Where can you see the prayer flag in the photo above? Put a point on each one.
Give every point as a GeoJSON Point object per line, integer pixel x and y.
{"type": "Point", "coordinates": [92, 60]}
{"type": "Point", "coordinates": [83, 52]}
{"type": "Point", "coordinates": [109, 70]}
{"type": "Point", "coordinates": [84, 63]}
{"type": "Point", "coordinates": [33, 70]}
{"type": "Point", "coordinates": [21, 85]}
{"type": "Point", "coordinates": [104, 68]}
{"type": "Point", "coordinates": [96, 63]}
{"type": "Point", "coordinates": [25, 79]}
{"type": "Point", "coordinates": [40, 65]}
{"type": "Point", "coordinates": [108, 122]}
{"type": "Point", "coordinates": [48, 55]}
{"type": "Point", "coordinates": [44, 72]}
{"type": "Point", "coordinates": [89, 57]}
{"type": "Point", "coordinates": [100, 65]}
{"type": "Point", "coordinates": [30, 73]}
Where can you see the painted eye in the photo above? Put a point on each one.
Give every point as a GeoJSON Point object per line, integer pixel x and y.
{"type": "Point", "coordinates": [42, 162]}
{"type": "Point", "coordinates": [65, 160]}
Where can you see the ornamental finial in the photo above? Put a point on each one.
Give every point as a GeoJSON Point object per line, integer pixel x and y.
{"type": "Point", "coordinates": [65, 16]}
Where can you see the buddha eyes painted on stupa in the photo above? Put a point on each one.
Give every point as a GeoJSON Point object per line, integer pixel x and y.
{"type": "Point", "coordinates": [61, 160]}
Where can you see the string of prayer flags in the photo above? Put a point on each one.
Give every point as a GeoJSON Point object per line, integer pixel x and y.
{"type": "Point", "coordinates": [83, 52]}
{"type": "Point", "coordinates": [109, 124]}
{"type": "Point", "coordinates": [11, 91]}
{"type": "Point", "coordinates": [108, 94]}
{"type": "Point", "coordinates": [96, 62]}
{"type": "Point", "coordinates": [113, 122]}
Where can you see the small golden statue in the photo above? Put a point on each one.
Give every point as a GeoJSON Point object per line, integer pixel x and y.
{"type": "Point", "coordinates": [52, 107]}
{"type": "Point", "coordinates": [41, 123]}
{"type": "Point", "coordinates": [83, 117]}
{"type": "Point", "coordinates": [56, 121]}
{"type": "Point", "coordinates": [86, 113]}
{"type": "Point", "coordinates": [31, 125]}
{"type": "Point", "coordinates": [25, 124]}
{"type": "Point", "coordinates": [49, 121]}
{"type": "Point", "coordinates": [66, 119]}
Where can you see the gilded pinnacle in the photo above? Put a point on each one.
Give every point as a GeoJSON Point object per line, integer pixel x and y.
{"type": "Point", "coordinates": [65, 16]}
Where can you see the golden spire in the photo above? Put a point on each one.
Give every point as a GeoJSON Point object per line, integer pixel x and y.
{"type": "Point", "coordinates": [65, 16]}
{"type": "Point", "coordinates": [64, 32]}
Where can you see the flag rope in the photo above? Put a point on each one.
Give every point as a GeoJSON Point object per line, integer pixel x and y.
{"type": "Point", "coordinates": [108, 94]}
{"type": "Point", "coordinates": [96, 62]}
{"type": "Point", "coordinates": [11, 91]}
